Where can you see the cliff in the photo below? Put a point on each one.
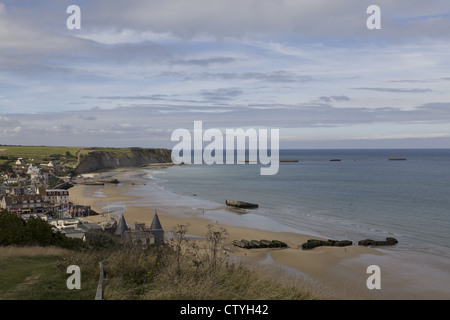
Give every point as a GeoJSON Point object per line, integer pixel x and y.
{"type": "Point", "coordinates": [99, 160]}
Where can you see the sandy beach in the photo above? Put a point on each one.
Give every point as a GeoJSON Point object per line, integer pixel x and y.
{"type": "Point", "coordinates": [334, 272]}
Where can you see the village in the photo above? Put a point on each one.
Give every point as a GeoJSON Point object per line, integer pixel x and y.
{"type": "Point", "coordinates": [31, 190]}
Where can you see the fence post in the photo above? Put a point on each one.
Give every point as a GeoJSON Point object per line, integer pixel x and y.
{"type": "Point", "coordinates": [99, 294]}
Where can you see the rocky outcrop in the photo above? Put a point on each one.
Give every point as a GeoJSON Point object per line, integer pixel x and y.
{"type": "Point", "coordinates": [370, 242]}
{"type": "Point", "coordinates": [253, 244]}
{"type": "Point", "coordinates": [134, 157]}
{"type": "Point", "coordinates": [313, 243]}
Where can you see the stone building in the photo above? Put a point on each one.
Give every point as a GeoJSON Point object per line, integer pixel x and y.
{"type": "Point", "coordinates": [140, 235]}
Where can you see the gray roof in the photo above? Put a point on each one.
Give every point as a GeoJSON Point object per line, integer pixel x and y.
{"type": "Point", "coordinates": [156, 225]}
{"type": "Point", "coordinates": [121, 226]}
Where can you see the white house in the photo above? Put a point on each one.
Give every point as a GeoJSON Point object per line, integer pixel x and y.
{"type": "Point", "coordinates": [51, 164]}
{"type": "Point", "coordinates": [57, 197]}
{"type": "Point", "coordinates": [33, 170]}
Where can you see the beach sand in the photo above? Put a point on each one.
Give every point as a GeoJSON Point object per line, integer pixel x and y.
{"type": "Point", "coordinates": [333, 272]}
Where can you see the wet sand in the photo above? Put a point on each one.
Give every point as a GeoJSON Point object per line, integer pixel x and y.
{"type": "Point", "coordinates": [334, 272]}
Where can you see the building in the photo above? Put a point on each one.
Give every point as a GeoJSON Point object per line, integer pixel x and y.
{"type": "Point", "coordinates": [73, 228]}
{"type": "Point", "coordinates": [33, 171]}
{"type": "Point", "coordinates": [55, 197]}
{"type": "Point", "coordinates": [51, 164]}
{"type": "Point", "coordinates": [140, 235]}
{"type": "Point", "coordinates": [12, 181]}
{"type": "Point", "coordinates": [31, 203]}
{"type": "Point", "coordinates": [121, 227]}
{"type": "Point", "coordinates": [156, 230]}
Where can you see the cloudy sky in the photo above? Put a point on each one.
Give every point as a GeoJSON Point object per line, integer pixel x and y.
{"type": "Point", "coordinates": [139, 69]}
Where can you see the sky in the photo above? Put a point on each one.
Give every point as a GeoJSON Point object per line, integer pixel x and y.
{"type": "Point", "coordinates": [139, 69]}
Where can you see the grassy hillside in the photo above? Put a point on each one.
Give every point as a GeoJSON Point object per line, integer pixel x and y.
{"type": "Point", "coordinates": [27, 152]}
{"type": "Point", "coordinates": [36, 154]}
{"type": "Point", "coordinates": [31, 273]}
{"type": "Point", "coordinates": [183, 269]}
{"type": "Point", "coordinates": [68, 156]}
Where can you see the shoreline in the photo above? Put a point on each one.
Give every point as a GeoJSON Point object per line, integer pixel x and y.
{"type": "Point", "coordinates": [337, 272]}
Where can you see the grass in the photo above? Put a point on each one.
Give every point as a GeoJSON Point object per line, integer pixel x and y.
{"type": "Point", "coordinates": [38, 153]}
{"type": "Point", "coordinates": [116, 152]}
{"type": "Point", "coordinates": [183, 269]}
{"type": "Point", "coordinates": [28, 152]}
{"type": "Point", "coordinates": [187, 269]}
{"type": "Point", "coordinates": [13, 251]}
{"type": "Point", "coordinates": [42, 154]}
{"type": "Point", "coordinates": [32, 273]}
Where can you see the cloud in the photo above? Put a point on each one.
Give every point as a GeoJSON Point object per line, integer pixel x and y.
{"type": "Point", "coordinates": [114, 36]}
{"type": "Point", "coordinates": [396, 90]}
{"type": "Point", "coordinates": [278, 76]}
{"type": "Point", "coordinates": [150, 127]}
{"type": "Point", "coordinates": [406, 136]}
{"type": "Point", "coordinates": [156, 97]}
{"type": "Point", "coordinates": [205, 61]}
{"type": "Point", "coordinates": [236, 18]}
{"type": "Point", "coordinates": [150, 66]}
{"type": "Point", "coordinates": [88, 118]}
{"type": "Point", "coordinates": [136, 123]}
{"type": "Point", "coordinates": [221, 94]}
{"type": "Point", "coordinates": [334, 98]}
{"type": "Point", "coordinates": [24, 30]}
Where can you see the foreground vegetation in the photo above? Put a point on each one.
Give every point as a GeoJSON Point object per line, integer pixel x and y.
{"type": "Point", "coordinates": [31, 273]}
{"type": "Point", "coordinates": [183, 269]}
{"type": "Point", "coordinates": [32, 232]}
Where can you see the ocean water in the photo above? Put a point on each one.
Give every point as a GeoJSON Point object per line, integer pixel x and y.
{"type": "Point", "coordinates": [364, 195]}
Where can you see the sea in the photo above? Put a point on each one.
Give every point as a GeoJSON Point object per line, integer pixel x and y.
{"type": "Point", "coordinates": [337, 194]}
{"type": "Point", "coordinates": [333, 194]}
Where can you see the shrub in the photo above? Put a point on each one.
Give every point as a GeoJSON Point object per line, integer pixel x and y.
{"type": "Point", "coordinates": [99, 240]}
{"type": "Point", "coordinates": [38, 232]}
{"type": "Point", "coordinates": [12, 229]}
{"type": "Point", "coordinates": [16, 231]}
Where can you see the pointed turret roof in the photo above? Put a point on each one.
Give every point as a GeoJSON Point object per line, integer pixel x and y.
{"type": "Point", "coordinates": [121, 226]}
{"type": "Point", "coordinates": [156, 224]}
